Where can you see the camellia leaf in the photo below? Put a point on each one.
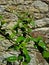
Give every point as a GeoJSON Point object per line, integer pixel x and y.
{"type": "Point", "coordinates": [12, 59]}
{"type": "Point", "coordinates": [42, 44]}
{"type": "Point", "coordinates": [46, 54]}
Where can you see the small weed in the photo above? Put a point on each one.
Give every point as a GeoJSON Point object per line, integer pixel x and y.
{"type": "Point", "coordinates": [25, 25]}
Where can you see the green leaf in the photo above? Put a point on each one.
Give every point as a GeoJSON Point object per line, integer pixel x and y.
{"type": "Point", "coordinates": [16, 47]}
{"type": "Point", "coordinates": [36, 39]}
{"type": "Point", "coordinates": [29, 30]}
{"type": "Point", "coordinates": [19, 39]}
{"type": "Point", "coordinates": [1, 16]}
{"type": "Point", "coordinates": [12, 35]}
{"type": "Point", "coordinates": [26, 20]}
{"type": "Point", "coordinates": [22, 45]}
{"type": "Point", "coordinates": [35, 46]}
{"type": "Point", "coordinates": [27, 58]}
{"type": "Point", "coordinates": [19, 20]}
{"type": "Point", "coordinates": [1, 38]}
{"type": "Point", "coordinates": [27, 40]}
{"type": "Point", "coordinates": [16, 26]}
{"type": "Point", "coordinates": [12, 58]}
{"type": "Point", "coordinates": [23, 29]}
{"type": "Point", "coordinates": [39, 38]}
{"type": "Point", "coordinates": [25, 51]}
{"type": "Point", "coordinates": [32, 23]}
{"type": "Point", "coordinates": [20, 57]}
{"type": "Point", "coordinates": [2, 23]}
{"type": "Point", "coordinates": [25, 26]}
{"type": "Point", "coordinates": [46, 54]}
{"type": "Point", "coordinates": [33, 39]}
{"type": "Point", "coordinates": [24, 63]}
{"type": "Point", "coordinates": [26, 55]}
{"type": "Point", "coordinates": [42, 44]}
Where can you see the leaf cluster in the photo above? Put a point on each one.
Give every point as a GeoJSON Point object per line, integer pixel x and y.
{"type": "Point", "coordinates": [22, 29]}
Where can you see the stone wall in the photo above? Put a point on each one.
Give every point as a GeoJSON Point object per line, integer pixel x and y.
{"type": "Point", "coordinates": [39, 9]}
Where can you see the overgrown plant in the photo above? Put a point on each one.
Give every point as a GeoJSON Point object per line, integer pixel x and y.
{"type": "Point", "coordinates": [22, 30]}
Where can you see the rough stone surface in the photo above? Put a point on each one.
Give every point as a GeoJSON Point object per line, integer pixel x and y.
{"type": "Point", "coordinates": [39, 10]}
{"type": "Point", "coordinates": [42, 22]}
{"type": "Point", "coordinates": [47, 1]}
{"type": "Point", "coordinates": [41, 5]}
{"type": "Point", "coordinates": [38, 15]}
